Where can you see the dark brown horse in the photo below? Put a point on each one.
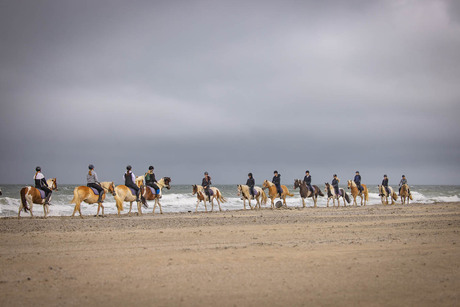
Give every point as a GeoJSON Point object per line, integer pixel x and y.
{"type": "Point", "coordinates": [146, 193]}
{"type": "Point", "coordinates": [305, 191]}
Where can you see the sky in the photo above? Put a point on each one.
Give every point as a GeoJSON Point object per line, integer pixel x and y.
{"type": "Point", "coordinates": [230, 87]}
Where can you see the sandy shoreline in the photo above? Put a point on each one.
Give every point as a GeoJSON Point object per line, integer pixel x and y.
{"type": "Point", "coordinates": [374, 255]}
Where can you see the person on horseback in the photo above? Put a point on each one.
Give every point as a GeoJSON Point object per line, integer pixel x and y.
{"type": "Point", "coordinates": [401, 183]}
{"type": "Point", "coordinates": [357, 180]}
{"type": "Point", "coordinates": [277, 181]}
{"type": "Point", "coordinates": [150, 180]}
{"type": "Point", "coordinates": [129, 181]}
{"type": "Point", "coordinates": [385, 184]}
{"type": "Point", "coordinates": [40, 183]}
{"type": "Point", "coordinates": [251, 183]}
{"type": "Point", "coordinates": [206, 183]}
{"type": "Point", "coordinates": [307, 180]}
{"type": "Point", "coordinates": [93, 182]}
{"type": "Point", "coordinates": [335, 184]}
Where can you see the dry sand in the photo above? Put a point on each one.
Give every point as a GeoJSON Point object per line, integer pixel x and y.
{"type": "Point", "coordinates": [365, 256]}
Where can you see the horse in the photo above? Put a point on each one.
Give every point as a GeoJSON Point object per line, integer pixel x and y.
{"type": "Point", "coordinates": [273, 193]}
{"type": "Point", "coordinates": [355, 192]}
{"type": "Point", "coordinates": [32, 196]}
{"type": "Point", "coordinates": [243, 190]}
{"type": "Point", "coordinates": [305, 191]}
{"type": "Point", "coordinates": [404, 193]}
{"type": "Point", "coordinates": [86, 194]}
{"type": "Point", "coordinates": [149, 194]}
{"type": "Point", "coordinates": [139, 181]}
{"type": "Point", "coordinates": [201, 196]}
{"type": "Point", "coordinates": [384, 195]}
{"type": "Point", "coordinates": [124, 193]}
{"type": "Point", "coordinates": [330, 191]}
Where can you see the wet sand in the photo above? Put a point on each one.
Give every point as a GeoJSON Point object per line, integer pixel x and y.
{"type": "Point", "coordinates": [364, 256]}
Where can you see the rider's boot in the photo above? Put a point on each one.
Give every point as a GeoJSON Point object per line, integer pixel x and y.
{"type": "Point", "coordinates": [99, 200]}
{"type": "Point", "coordinates": [47, 199]}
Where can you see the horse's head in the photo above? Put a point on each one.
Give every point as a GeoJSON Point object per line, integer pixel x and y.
{"type": "Point", "coordinates": [167, 182]}
{"type": "Point", "coordinates": [54, 184]}
{"type": "Point", "coordinates": [111, 189]}
{"type": "Point", "coordinates": [349, 184]}
{"type": "Point", "coordinates": [296, 183]}
{"type": "Point", "coordinates": [266, 184]}
{"type": "Point", "coordinates": [239, 189]}
{"type": "Point", "coordinates": [194, 189]}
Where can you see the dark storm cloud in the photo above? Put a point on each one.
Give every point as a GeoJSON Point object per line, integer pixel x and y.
{"type": "Point", "coordinates": [230, 87]}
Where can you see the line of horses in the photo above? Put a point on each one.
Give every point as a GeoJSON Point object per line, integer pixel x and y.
{"type": "Point", "coordinates": [30, 195]}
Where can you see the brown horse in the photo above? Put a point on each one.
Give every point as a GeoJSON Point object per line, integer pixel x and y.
{"type": "Point", "coordinates": [32, 196]}
{"type": "Point", "coordinates": [384, 195]}
{"type": "Point", "coordinates": [305, 191]}
{"type": "Point", "coordinates": [202, 197]}
{"type": "Point", "coordinates": [86, 194]}
{"type": "Point", "coordinates": [273, 193]}
{"type": "Point", "coordinates": [243, 190]}
{"type": "Point", "coordinates": [330, 191]}
{"type": "Point", "coordinates": [355, 192]}
{"type": "Point", "coordinates": [405, 194]}
{"type": "Point", "coordinates": [147, 194]}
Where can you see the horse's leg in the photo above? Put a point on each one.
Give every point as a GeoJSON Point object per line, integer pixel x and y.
{"type": "Point", "coordinates": [159, 205]}
{"type": "Point", "coordinates": [44, 211]}
{"type": "Point", "coordinates": [327, 204]}
{"type": "Point", "coordinates": [249, 201]}
{"type": "Point", "coordinates": [212, 204]}
{"type": "Point", "coordinates": [130, 207]}
{"type": "Point", "coordinates": [155, 205]}
{"type": "Point", "coordinates": [102, 206]}
{"type": "Point", "coordinates": [98, 208]}
{"type": "Point", "coordinates": [303, 202]}
{"type": "Point", "coordinates": [220, 209]}
{"type": "Point", "coordinates": [244, 203]}
{"type": "Point", "coordinates": [205, 207]}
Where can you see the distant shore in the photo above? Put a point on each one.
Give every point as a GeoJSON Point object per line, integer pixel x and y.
{"type": "Point", "coordinates": [373, 255]}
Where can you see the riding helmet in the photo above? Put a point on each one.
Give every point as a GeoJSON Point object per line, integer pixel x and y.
{"type": "Point", "coordinates": [206, 173]}
{"type": "Point", "coordinates": [335, 175]}
{"type": "Point", "coordinates": [150, 167]}
{"type": "Point", "coordinates": [307, 171]}
{"type": "Point", "coordinates": [385, 175]}
{"type": "Point", "coordinates": [91, 166]}
{"type": "Point", "coordinates": [357, 172]}
{"type": "Point", "coordinates": [129, 167]}
{"type": "Point", "coordinates": [275, 172]}
{"type": "Point", "coordinates": [250, 174]}
{"type": "Point", "coordinates": [404, 175]}
{"type": "Point", "coordinates": [38, 169]}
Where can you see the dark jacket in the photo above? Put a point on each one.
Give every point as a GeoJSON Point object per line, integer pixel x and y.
{"type": "Point", "coordinates": [206, 183]}
{"type": "Point", "coordinates": [277, 180]}
{"type": "Point", "coordinates": [307, 180]}
{"type": "Point", "coordinates": [357, 179]}
{"type": "Point", "coordinates": [385, 182]}
{"type": "Point", "coordinates": [150, 178]}
{"type": "Point", "coordinates": [335, 183]}
{"type": "Point", "coordinates": [40, 183]}
{"type": "Point", "coordinates": [251, 182]}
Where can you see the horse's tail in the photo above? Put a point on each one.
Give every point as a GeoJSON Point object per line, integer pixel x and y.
{"type": "Point", "coordinates": [347, 197]}
{"type": "Point", "coordinates": [23, 199]}
{"type": "Point", "coordinates": [264, 197]}
{"type": "Point", "coordinates": [75, 199]}
{"type": "Point", "coordinates": [395, 196]}
{"type": "Point", "coordinates": [220, 197]}
{"type": "Point", "coordinates": [320, 193]}
{"type": "Point", "coordinates": [366, 193]}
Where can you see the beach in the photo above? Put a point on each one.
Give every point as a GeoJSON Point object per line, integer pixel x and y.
{"type": "Point", "coordinates": [361, 256]}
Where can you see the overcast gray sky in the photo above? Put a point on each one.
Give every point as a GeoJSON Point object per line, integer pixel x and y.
{"type": "Point", "coordinates": [230, 87]}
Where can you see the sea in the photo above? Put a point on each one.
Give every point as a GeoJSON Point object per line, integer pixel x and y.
{"type": "Point", "coordinates": [180, 199]}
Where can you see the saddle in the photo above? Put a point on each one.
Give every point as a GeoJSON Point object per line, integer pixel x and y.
{"type": "Point", "coordinates": [340, 193]}
{"type": "Point", "coordinates": [153, 191]}
{"type": "Point", "coordinates": [133, 191]}
{"type": "Point", "coordinates": [96, 192]}
{"type": "Point", "coordinates": [42, 193]}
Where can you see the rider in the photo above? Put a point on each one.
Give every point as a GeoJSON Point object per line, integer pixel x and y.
{"type": "Point", "coordinates": [250, 183]}
{"type": "Point", "coordinates": [129, 181]}
{"type": "Point", "coordinates": [385, 184]}
{"type": "Point", "coordinates": [357, 180]}
{"type": "Point", "coordinates": [150, 180]}
{"type": "Point", "coordinates": [307, 180]}
{"type": "Point", "coordinates": [277, 181]}
{"type": "Point", "coordinates": [93, 182]}
{"type": "Point", "coordinates": [335, 184]}
{"type": "Point", "coordinates": [403, 181]}
{"type": "Point", "coordinates": [40, 183]}
{"type": "Point", "coordinates": [206, 183]}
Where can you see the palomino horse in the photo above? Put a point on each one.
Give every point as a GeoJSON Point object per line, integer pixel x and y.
{"type": "Point", "coordinates": [305, 191]}
{"type": "Point", "coordinates": [405, 194]}
{"type": "Point", "coordinates": [126, 194]}
{"type": "Point", "coordinates": [384, 195]}
{"type": "Point", "coordinates": [201, 196]}
{"type": "Point", "coordinates": [149, 194]}
{"type": "Point", "coordinates": [32, 196]}
{"type": "Point", "coordinates": [331, 194]}
{"type": "Point", "coordinates": [87, 195]}
{"type": "Point", "coordinates": [273, 193]}
{"type": "Point", "coordinates": [260, 195]}
{"type": "Point", "coordinates": [355, 192]}
{"type": "Point", "coordinates": [139, 181]}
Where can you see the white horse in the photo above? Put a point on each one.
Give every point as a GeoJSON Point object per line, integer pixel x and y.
{"type": "Point", "coordinates": [330, 191]}
{"type": "Point", "coordinates": [384, 195]}
{"type": "Point", "coordinates": [31, 195]}
{"type": "Point", "coordinates": [243, 190]}
{"type": "Point", "coordinates": [201, 196]}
